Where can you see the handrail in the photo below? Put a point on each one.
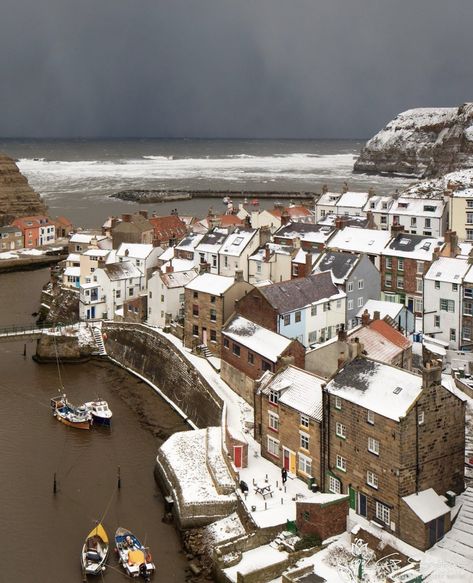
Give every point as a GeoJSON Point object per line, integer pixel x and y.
{"type": "Point", "coordinates": [14, 330]}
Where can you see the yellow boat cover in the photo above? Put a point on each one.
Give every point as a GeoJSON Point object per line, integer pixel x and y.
{"type": "Point", "coordinates": [99, 531]}
{"type": "Point", "coordinates": [136, 557]}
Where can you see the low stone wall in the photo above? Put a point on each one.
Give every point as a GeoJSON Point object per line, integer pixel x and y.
{"type": "Point", "coordinates": [153, 356]}
{"type": "Point", "coordinates": [49, 348]}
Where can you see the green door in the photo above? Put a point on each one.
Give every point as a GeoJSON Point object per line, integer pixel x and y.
{"type": "Point", "coordinates": [352, 494]}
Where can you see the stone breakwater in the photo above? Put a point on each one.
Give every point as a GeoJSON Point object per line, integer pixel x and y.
{"type": "Point", "coordinates": [155, 196]}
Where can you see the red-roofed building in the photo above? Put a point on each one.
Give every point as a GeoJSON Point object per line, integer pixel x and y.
{"type": "Point", "coordinates": [293, 213]}
{"type": "Point", "coordinates": [64, 227]}
{"type": "Point", "coordinates": [167, 230]}
{"type": "Point", "coordinates": [37, 230]}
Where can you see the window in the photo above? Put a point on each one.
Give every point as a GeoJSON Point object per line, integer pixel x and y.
{"type": "Point", "coordinates": [419, 284]}
{"type": "Point", "coordinates": [181, 298]}
{"type": "Point", "coordinates": [195, 295]}
{"type": "Point", "coordinates": [273, 446]}
{"type": "Point", "coordinates": [273, 421]}
{"type": "Point", "coordinates": [304, 421]}
{"type": "Point", "coordinates": [214, 261]}
{"type": "Point", "coordinates": [341, 463]}
{"type": "Point", "coordinates": [454, 286]}
{"type": "Point", "coordinates": [334, 485]}
{"type": "Point", "coordinates": [295, 269]}
{"type": "Point", "coordinates": [350, 305]}
{"type": "Point", "coordinates": [359, 303]}
{"type": "Point", "coordinates": [437, 285]}
{"type": "Point", "coordinates": [372, 479]}
{"type": "Point", "coordinates": [265, 365]}
{"type": "Point", "coordinates": [326, 306]}
{"type": "Point", "coordinates": [400, 264]}
{"type": "Point", "coordinates": [469, 218]}
{"type": "Point", "coordinates": [469, 234]}
{"type": "Point", "coordinates": [195, 309]}
{"type": "Point", "coordinates": [437, 321]}
{"type": "Point", "coordinates": [341, 430]}
{"type": "Point", "coordinates": [195, 330]}
{"type": "Point", "coordinates": [350, 286]}
{"type": "Point", "coordinates": [313, 310]}
{"type": "Point", "coordinates": [162, 298]}
{"type": "Point", "coordinates": [469, 204]}
{"type": "Point", "coordinates": [413, 221]}
{"type": "Point", "coordinates": [428, 223]}
{"type": "Point", "coordinates": [305, 465]}
{"type": "Point", "coordinates": [420, 267]}
{"type": "Point", "coordinates": [226, 343]}
{"type": "Point", "coordinates": [370, 417]}
{"type": "Point", "coordinates": [212, 299]}
{"type": "Point", "coordinates": [213, 315]}
{"type": "Point", "coordinates": [287, 319]}
{"type": "Point", "coordinates": [388, 280]}
{"type": "Point", "coordinates": [298, 316]}
{"type": "Point", "coordinates": [236, 350]}
{"type": "Point", "coordinates": [400, 283]}
{"type": "Point", "coordinates": [361, 284]}
{"type": "Point", "coordinates": [304, 441]}
{"type": "Point", "coordinates": [389, 262]}
{"type": "Point", "coordinates": [447, 305]}
{"type": "Point", "coordinates": [258, 267]}
{"type": "Point", "coordinates": [273, 397]}
{"type": "Point", "coordinates": [418, 305]}
{"type": "Point", "coordinates": [373, 445]}
{"type": "Point", "coordinates": [420, 418]}
{"type": "Point", "coordinates": [213, 336]}
{"type": "Point", "coordinates": [251, 358]}
{"type": "Point", "coordinates": [338, 403]}
{"type": "Point", "coordinates": [467, 332]}
{"type": "Point", "coordinates": [453, 334]}
{"type": "Point", "coordinates": [225, 261]}
{"type": "Point", "coordinates": [382, 513]}
{"type": "Point", "coordinates": [118, 293]}
{"type": "Point", "coordinates": [312, 336]}
{"type": "Point", "coordinates": [467, 308]}
{"type": "Point", "coordinates": [468, 292]}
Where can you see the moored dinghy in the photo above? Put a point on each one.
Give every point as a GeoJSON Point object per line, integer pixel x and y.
{"type": "Point", "coordinates": [100, 412]}
{"type": "Point", "coordinates": [70, 415]}
{"type": "Point", "coordinates": [133, 556]}
{"type": "Point", "coordinates": [95, 551]}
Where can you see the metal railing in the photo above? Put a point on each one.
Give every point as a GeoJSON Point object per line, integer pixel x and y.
{"type": "Point", "coordinates": [14, 330]}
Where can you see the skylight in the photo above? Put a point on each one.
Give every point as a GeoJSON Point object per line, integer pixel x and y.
{"type": "Point", "coordinates": [404, 241]}
{"type": "Point", "coordinates": [397, 390]}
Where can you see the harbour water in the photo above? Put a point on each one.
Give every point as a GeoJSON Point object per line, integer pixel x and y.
{"type": "Point", "coordinates": [42, 533]}
{"type": "Point", "coordinates": [76, 177]}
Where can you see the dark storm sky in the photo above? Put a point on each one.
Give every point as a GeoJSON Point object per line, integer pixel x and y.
{"type": "Point", "coordinates": [228, 68]}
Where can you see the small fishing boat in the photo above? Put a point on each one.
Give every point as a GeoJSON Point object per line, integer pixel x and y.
{"type": "Point", "coordinates": [69, 414]}
{"type": "Point", "coordinates": [95, 551]}
{"type": "Point", "coordinates": [132, 555]}
{"type": "Point", "coordinates": [100, 411]}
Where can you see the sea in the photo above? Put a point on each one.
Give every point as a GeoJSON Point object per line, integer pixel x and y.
{"type": "Point", "coordinates": [76, 177]}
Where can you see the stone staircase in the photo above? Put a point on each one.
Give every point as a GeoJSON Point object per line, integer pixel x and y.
{"type": "Point", "coordinates": [99, 341]}
{"type": "Point", "coordinates": [205, 351]}
{"type": "Point", "coordinates": [211, 358]}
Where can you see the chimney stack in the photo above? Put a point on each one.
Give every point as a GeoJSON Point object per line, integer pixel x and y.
{"type": "Point", "coordinates": [342, 333]}
{"type": "Point", "coordinates": [365, 318]}
{"type": "Point", "coordinates": [239, 275]}
{"type": "Point", "coordinates": [341, 222]}
{"type": "Point", "coordinates": [144, 214]}
{"type": "Point", "coordinates": [431, 374]}
{"type": "Point", "coordinates": [396, 229]}
{"type": "Point", "coordinates": [126, 218]}
{"type": "Point", "coordinates": [264, 235]}
{"type": "Point", "coordinates": [376, 315]}
{"type": "Point", "coordinates": [324, 189]}
{"type": "Point", "coordinates": [344, 187]}
{"type": "Point", "coordinates": [308, 264]}
{"type": "Point", "coordinates": [267, 253]}
{"type": "Point", "coordinates": [169, 268]}
{"type": "Point", "coordinates": [285, 217]}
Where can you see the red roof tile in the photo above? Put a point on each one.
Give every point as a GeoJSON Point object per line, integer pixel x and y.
{"type": "Point", "coordinates": [390, 333]}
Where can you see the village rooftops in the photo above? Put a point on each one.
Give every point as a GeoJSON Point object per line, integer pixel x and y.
{"type": "Point", "coordinates": [418, 207]}
{"type": "Point", "coordinates": [212, 241]}
{"type": "Point", "coordinates": [309, 232]}
{"type": "Point", "coordinates": [448, 269]}
{"type": "Point", "coordinates": [368, 241]}
{"type": "Point", "coordinates": [294, 294]}
{"type": "Point", "coordinates": [427, 505]}
{"type": "Point", "coordinates": [380, 340]}
{"type": "Point", "coordinates": [178, 264]}
{"type": "Point", "coordinates": [273, 248]}
{"type": "Point", "coordinates": [330, 220]}
{"type": "Point", "coordinates": [209, 283]}
{"type": "Point", "coordinates": [299, 212]}
{"type": "Point", "coordinates": [237, 241]}
{"type": "Point", "coordinates": [339, 263]}
{"type": "Point", "coordinates": [416, 247]}
{"type": "Point", "coordinates": [178, 278]}
{"type": "Point", "coordinates": [73, 257]}
{"type": "Point", "coordinates": [328, 198]}
{"type": "Point", "coordinates": [379, 203]}
{"type": "Point", "coordinates": [190, 242]}
{"type": "Point", "coordinates": [134, 250]}
{"type": "Point", "coordinates": [122, 270]}
{"type": "Point", "coordinates": [383, 389]}
{"type": "Point", "coordinates": [86, 238]}
{"type": "Point", "coordinates": [298, 389]}
{"type": "Point", "coordinates": [96, 252]}
{"type": "Point", "coordinates": [10, 230]}
{"type": "Point", "coordinates": [256, 338]}
{"type": "Point", "coordinates": [353, 199]}
{"type": "Point", "coordinates": [390, 309]}
{"type": "Point", "coordinates": [72, 271]}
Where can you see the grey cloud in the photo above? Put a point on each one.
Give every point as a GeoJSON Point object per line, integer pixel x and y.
{"type": "Point", "coordinates": [241, 68]}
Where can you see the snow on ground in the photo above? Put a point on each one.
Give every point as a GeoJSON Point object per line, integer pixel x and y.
{"type": "Point", "coordinates": [225, 529]}
{"type": "Point", "coordinates": [31, 252]}
{"type": "Point", "coordinates": [8, 255]}
{"type": "Point", "coordinates": [255, 559]}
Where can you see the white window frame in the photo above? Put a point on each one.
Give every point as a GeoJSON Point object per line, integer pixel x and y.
{"type": "Point", "coordinates": [273, 396]}
{"type": "Point", "coordinates": [350, 304]}
{"type": "Point", "coordinates": [372, 479]}
{"type": "Point", "coordinates": [304, 438]}
{"type": "Point", "coordinates": [338, 403]}
{"type": "Point", "coordinates": [383, 513]}
{"type": "Point", "coordinates": [359, 302]}
{"type": "Point", "coordinates": [370, 417]}
{"type": "Point", "coordinates": [304, 464]}
{"type": "Point", "coordinates": [334, 485]}
{"type": "Point", "coordinates": [350, 286]}
{"type": "Point", "coordinates": [373, 445]}
{"type": "Point", "coordinates": [272, 445]}
{"type": "Point", "coordinates": [304, 420]}
{"type": "Point", "coordinates": [361, 284]}
{"type": "Point", "coordinates": [340, 430]}
{"type": "Point", "coordinates": [420, 418]}
{"type": "Point", "coordinates": [273, 421]}
{"type": "Point", "coordinates": [341, 463]}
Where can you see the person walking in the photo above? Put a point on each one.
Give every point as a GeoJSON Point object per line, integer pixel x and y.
{"type": "Point", "coordinates": [284, 475]}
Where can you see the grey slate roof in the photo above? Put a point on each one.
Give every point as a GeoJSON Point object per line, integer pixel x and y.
{"type": "Point", "coordinates": [339, 263]}
{"type": "Point", "coordinates": [407, 242]}
{"type": "Point", "coordinates": [297, 293]}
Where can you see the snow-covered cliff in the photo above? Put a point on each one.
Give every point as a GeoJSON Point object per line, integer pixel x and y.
{"type": "Point", "coordinates": [422, 142]}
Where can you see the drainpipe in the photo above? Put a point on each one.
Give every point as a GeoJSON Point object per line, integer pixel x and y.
{"type": "Point", "coordinates": [417, 447]}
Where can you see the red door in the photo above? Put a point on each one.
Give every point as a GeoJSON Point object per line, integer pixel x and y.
{"type": "Point", "coordinates": [237, 455]}
{"type": "Point", "coordinates": [287, 459]}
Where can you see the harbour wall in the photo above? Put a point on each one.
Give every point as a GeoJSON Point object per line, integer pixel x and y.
{"type": "Point", "coordinates": [151, 355]}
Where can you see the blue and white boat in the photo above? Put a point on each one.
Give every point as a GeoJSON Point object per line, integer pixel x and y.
{"type": "Point", "coordinates": [100, 411]}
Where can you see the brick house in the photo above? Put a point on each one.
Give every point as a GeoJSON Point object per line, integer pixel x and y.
{"type": "Point", "coordinates": [209, 301]}
{"type": "Point", "coordinates": [133, 229]}
{"type": "Point", "coordinates": [288, 418]}
{"type": "Point", "coordinates": [11, 238]}
{"type": "Point", "coordinates": [310, 309]}
{"type": "Point", "coordinates": [404, 262]}
{"type": "Point", "coordinates": [248, 350]}
{"type": "Point", "coordinates": [167, 231]}
{"type": "Point", "coordinates": [37, 230]}
{"type": "Point", "coordinates": [391, 434]}
{"type": "Point", "coordinates": [64, 227]}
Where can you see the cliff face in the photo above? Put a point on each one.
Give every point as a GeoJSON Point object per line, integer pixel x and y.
{"type": "Point", "coordinates": [17, 198]}
{"type": "Point", "coordinates": [421, 143]}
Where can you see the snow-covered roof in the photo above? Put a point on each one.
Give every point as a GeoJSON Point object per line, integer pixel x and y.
{"type": "Point", "coordinates": [448, 269]}
{"type": "Point", "coordinates": [353, 199]}
{"type": "Point", "coordinates": [167, 254]}
{"type": "Point", "coordinates": [178, 278]}
{"type": "Point", "coordinates": [383, 389]}
{"type": "Point", "coordinates": [435, 345]}
{"type": "Point", "coordinates": [375, 203]}
{"type": "Point", "coordinates": [390, 309]}
{"type": "Point", "coordinates": [381, 341]}
{"type": "Point", "coordinates": [416, 247]}
{"type": "Point", "coordinates": [308, 232]}
{"type": "Point", "coordinates": [73, 257]}
{"type": "Point", "coordinates": [428, 505]}
{"type": "Point", "coordinates": [72, 271]}
{"type": "Point", "coordinates": [418, 207]}
{"type": "Point", "coordinates": [94, 252]}
{"type": "Point", "coordinates": [256, 338]}
{"type": "Point", "coordinates": [190, 241]}
{"type": "Point", "coordinates": [298, 389]}
{"type": "Point", "coordinates": [85, 237]}
{"type": "Point", "coordinates": [329, 199]}
{"type": "Point", "coordinates": [179, 264]}
{"type": "Point", "coordinates": [338, 263]}
{"type": "Point", "coordinates": [212, 241]}
{"type": "Point", "coordinates": [236, 242]}
{"type": "Point", "coordinates": [211, 284]}
{"type": "Point", "coordinates": [260, 254]}
{"type": "Point", "coordinates": [368, 241]}
{"type": "Point", "coordinates": [134, 250]}
{"type": "Point", "coordinates": [122, 270]}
